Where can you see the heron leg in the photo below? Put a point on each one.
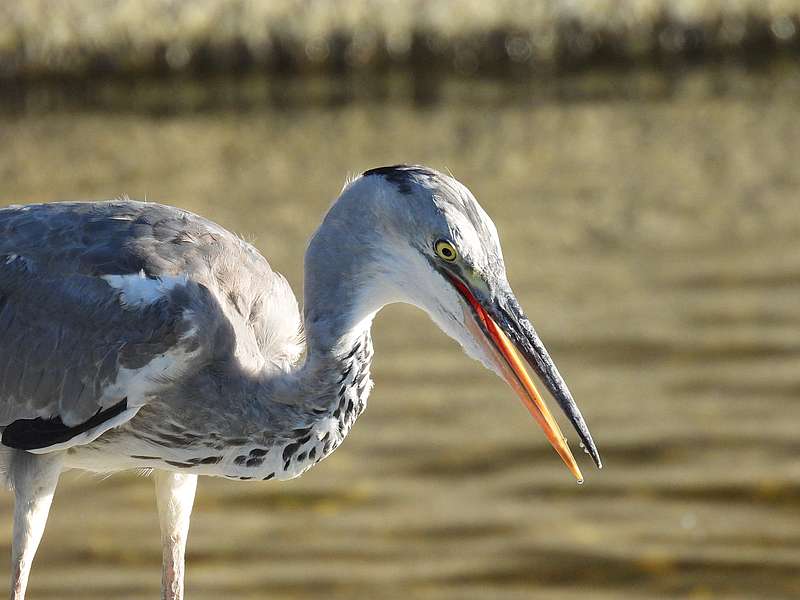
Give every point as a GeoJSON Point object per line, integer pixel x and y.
{"type": "Point", "coordinates": [34, 478]}
{"type": "Point", "coordinates": [174, 496]}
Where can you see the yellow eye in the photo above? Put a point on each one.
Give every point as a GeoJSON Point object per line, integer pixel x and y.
{"type": "Point", "coordinates": [445, 250]}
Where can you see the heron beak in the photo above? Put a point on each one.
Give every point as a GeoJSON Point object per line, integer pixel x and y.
{"type": "Point", "coordinates": [505, 332]}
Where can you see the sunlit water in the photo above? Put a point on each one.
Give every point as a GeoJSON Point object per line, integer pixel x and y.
{"type": "Point", "coordinates": [650, 228]}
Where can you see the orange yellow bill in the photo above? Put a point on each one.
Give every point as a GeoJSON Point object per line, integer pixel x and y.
{"type": "Point", "coordinates": [509, 363]}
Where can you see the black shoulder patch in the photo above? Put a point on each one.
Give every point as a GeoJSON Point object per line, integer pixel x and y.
{"type": "Point", "coordinates": [32, 434]}
{"type": "Point", "coordinates": [403, 176]}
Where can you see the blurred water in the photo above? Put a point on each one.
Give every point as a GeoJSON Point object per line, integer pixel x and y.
{"type": "Point", "coordinates": [650, 228]}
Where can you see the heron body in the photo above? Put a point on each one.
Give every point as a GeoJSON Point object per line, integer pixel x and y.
{"type": "Point", "coordinates": [140, 336]}
{"type": "Point", "coordinates": [194, 359]}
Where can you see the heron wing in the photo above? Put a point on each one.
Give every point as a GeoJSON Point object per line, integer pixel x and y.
{"type": "Point", "coordinates": [102, 303]}
{"type": "Point", "coordinates": [78, 357]}
{"type": "Point", "coordinates": [274, 319]}
{"type": "Point", "coordinates": [85, 342]}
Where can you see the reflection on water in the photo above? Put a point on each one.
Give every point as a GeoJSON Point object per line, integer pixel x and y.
{"type": "Point", "coordinates": [650, 228]}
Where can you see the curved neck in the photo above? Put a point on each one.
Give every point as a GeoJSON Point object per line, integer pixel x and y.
{"type": "Point", "coordinates": [342, 294]}
{"type": "Point", "coordinates": [338, 345]}
{"type": "Point", "coordinates": [344, 283]}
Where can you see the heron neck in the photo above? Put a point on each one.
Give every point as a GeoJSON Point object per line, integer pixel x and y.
{"type": "Point", "coordinates": [334, 364]}
{"type": "Point", "coordinates": [344, 288]}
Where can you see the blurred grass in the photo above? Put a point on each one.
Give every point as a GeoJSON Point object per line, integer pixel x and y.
{"type": "Point", "coordinates": [41, 38]}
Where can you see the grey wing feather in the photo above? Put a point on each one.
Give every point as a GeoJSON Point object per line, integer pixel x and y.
{"type": "Point", "coordinates": [275, 320]}
{"type": "Point", "coordinates": [70, 346]}
{"type": "Point", "coordinates": [66, 341]}
{"type": "Point", "coordinates": [70, 342]}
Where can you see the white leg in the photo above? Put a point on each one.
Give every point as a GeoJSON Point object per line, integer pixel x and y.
{"type": "Point", "coordinates": [174, 496]}
{"type": "Point", "coordinates": [34, 478]}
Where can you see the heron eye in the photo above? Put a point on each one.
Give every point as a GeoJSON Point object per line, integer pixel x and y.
{"type": "Point", "coordinates": [445, 250]}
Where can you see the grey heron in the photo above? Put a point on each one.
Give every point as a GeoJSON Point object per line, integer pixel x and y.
{"type": "Point", "coordinates": [140, 336]}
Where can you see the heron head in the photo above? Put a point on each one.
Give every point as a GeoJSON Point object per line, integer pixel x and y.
{"type": "Point", "coordinates": [411, 234]}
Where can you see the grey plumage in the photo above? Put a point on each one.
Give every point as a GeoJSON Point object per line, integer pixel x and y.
{"type": "Point", "coordinates": [136, 335]}
{"type": "Point", "coordinates": [66, 331]}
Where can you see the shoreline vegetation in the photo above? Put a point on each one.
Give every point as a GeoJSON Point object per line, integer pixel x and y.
{"type": "Point", "coordinates": [44, 39]}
